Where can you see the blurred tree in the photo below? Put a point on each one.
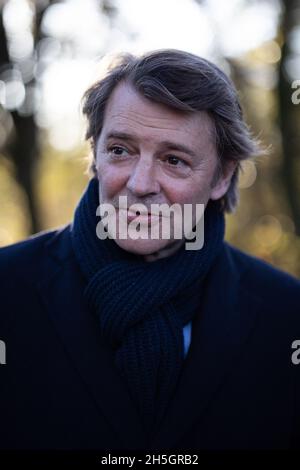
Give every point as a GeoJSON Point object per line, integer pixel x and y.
{"type": "Point", "coordinates": [20, 57]}
{"type": "Point", "coordinates": [289, 113]}
{"type": "Point", "coordinates": [267, 222]}
{"type": "Point", "coordinates": [22, 146]}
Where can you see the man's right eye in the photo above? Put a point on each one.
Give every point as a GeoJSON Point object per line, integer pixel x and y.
{"type": "Point", "coordinates": [117, 150]}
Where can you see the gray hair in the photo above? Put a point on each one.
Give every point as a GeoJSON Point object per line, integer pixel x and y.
{"type": "Point", "coordinates": [185, 82]}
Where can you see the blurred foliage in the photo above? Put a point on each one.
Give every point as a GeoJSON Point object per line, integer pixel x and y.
{"type": "Point", "coordinates": [267, 221]}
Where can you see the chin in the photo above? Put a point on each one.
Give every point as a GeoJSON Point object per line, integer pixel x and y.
{"type": "Point", "coordinates": [143, 247]}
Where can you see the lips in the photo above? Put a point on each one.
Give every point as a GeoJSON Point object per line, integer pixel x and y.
{"type": "Point", "coordinates": [142, 216]}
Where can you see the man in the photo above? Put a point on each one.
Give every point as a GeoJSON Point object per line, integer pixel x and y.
{"type": "Point", "coordinates": [137, 342]}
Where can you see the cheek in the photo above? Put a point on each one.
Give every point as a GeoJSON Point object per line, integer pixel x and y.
{"type": "Point", "coordinates": [189, 193]}
{"type": "Point", "coordinates": [111, 180]}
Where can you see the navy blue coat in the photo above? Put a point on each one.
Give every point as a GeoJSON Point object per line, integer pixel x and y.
{"type": "Point", "coordinates": [60, 389]}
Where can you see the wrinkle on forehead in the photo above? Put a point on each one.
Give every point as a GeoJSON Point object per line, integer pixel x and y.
{"type": "Point", "coordinates": [139, 122]}
{"type": "Point", "coordinates": [147, 121]}
{"type": "Point", "coordinates": [128, 109]}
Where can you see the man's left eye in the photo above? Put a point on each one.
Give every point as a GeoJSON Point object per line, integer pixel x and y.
{"type": "Point", "coordinates": [174, 161]}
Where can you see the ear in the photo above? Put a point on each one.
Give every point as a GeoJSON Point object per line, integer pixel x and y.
{"type": "Point", "coordinates": [221, 186]}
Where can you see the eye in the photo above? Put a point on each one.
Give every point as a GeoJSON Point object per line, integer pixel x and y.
{"type": "Point", "coordinates": [175, 161]}
{"type": "Point", "coordinates": [117, 150]}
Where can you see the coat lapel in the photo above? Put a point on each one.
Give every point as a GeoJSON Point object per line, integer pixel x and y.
{"type": "Point", "coordinates": [62, 294]}
{"type": "Point", "coordinates": [218, 334]}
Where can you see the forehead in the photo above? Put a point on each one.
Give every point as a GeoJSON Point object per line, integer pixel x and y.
{"type": "Point", "coordinates": [129, 111]}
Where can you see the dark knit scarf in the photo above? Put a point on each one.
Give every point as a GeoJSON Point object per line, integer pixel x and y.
{"type": "Point", "coordinates": [143, 306]}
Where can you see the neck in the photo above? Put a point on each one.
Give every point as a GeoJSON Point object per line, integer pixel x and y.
{"type": "Point", "coordinates": [164, 252]}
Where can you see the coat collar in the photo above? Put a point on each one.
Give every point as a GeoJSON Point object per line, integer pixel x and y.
{"type": "Point", "coordinates": [219, 332]}
{"type": "Point", "coordinates": [62, 294]}
{"type": "Point", "coordinates": [218, 335]}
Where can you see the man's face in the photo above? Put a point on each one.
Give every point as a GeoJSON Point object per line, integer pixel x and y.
{"type": "Point", "coordinates": [154, 154]}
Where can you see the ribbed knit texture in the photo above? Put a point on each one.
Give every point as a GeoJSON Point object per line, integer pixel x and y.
{"type": "Point", "coordinates": [143, 306]}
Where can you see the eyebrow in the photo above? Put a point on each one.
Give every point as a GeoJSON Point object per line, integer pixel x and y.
{"type": "Point", "coordinates": [165, 143]}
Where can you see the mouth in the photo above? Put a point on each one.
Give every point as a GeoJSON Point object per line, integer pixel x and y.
{"type": "Point", "coordinates": [142, 216]}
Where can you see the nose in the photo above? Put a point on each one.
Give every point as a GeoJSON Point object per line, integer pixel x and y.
{"type": "Point", "coordinates": [142, 180]}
